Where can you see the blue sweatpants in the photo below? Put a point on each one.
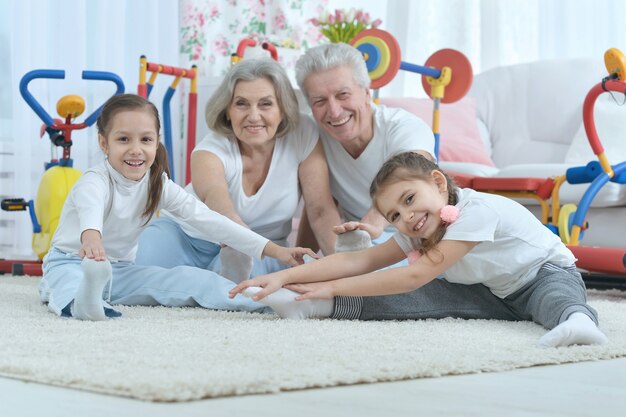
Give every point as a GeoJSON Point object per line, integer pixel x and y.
{"type": "Point", "coordinates": [164, 243]}
{"type": "Point", "coordinates": [141, 285]}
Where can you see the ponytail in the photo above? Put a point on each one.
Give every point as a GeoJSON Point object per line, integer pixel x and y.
{"type": "Point", "coordinates": [155, 185]}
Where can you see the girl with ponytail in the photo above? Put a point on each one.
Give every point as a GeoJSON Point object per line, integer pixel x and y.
{"type": "Point", "coordinates": [105, 212]}
{"type": "Point", "coordinates": [460, 244]}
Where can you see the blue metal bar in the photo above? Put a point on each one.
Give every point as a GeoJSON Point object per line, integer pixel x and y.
{"type": "Point", "coordinates": [167, 128]}
{"type": "Point", "coordinates": [585, 174]}
{"type": "Point", "coordinates": [103, 76]}
{"type": "Point", "coordinates": [590, 193]}
{"type": "Point", "coordinates": [28, 97]}
{"type": "Point", "coordinates": [620, 173]}
{"type": "Point", "coordinates": [431, 72]}
{"type": "Point", "coordinates": [33, 217]}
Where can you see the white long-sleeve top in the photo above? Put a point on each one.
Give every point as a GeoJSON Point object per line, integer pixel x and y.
{"type": "Point", "coordinates": [104, 200]}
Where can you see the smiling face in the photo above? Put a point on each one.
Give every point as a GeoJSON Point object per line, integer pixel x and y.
{"type": "Point", "coordinates": [340, 106]}
{"type": "Point", "coordinates": [254, 112]}
{"type": "Point", "coordinates": [414, 206]}
{"type": "Point", "coordinates": [131, 142]}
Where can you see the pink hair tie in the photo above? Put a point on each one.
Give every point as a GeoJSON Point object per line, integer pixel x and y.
{"type": "Point", "coordinates": [448, 214]}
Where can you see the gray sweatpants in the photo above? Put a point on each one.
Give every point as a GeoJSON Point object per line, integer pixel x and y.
{"type": "Point", "coordinates": [548, 300]}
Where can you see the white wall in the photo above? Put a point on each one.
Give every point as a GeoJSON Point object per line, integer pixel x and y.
{"type": "Point", "coordinates": [495, 32]}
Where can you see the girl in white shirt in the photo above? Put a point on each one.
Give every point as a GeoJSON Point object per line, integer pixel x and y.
{"type": "Point", "coordinates": [465, 236]}
{"type": "Point", "coordinates": [96, 240]}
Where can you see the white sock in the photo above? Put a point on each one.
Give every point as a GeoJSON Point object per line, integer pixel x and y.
{"type": "Point", "coordinates": [88, 303]}
{"type": "Point", "coordinates": [236, 266]}
{"type": "Point", "coordinates": [284, 304]}
{"type": "Point", "coordinates": [578, 329]}
{"type": "Point", "coordinates": [308, 259]}
{"type": "Point", "coordinates": [353, 240]}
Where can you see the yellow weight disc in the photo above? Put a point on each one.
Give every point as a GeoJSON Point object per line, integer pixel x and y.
{"type": "Point", "coordinates": [565, 213]}
{"type": "Point", "coordinates": [383, 65]}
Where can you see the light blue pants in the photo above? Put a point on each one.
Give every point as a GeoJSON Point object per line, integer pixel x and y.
{"type": "Point", "coordinates": [164, 243]}
{"type": "Point", "coordinates": [141, 285]}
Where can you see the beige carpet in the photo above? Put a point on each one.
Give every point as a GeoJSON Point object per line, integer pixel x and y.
{"type": "Point", "coordinates": [170, 354]}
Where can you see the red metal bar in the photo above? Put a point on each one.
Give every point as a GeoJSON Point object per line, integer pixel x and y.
{"type": "Point", "coordinates": [166, 69]}
{"type": "Point", "coordinates": [603, 260]}
{"type": "Point", "coordinates": [272, 50]}
{"type": "Point", "coordinates": [243, 44]}
{"type": "Point", "coordinates": [590, 100]}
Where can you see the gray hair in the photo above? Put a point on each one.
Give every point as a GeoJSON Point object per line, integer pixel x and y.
{"type": "Point", "coordinates": [330, 56]}
{"type": "Point", "coordinates": [250, 70]}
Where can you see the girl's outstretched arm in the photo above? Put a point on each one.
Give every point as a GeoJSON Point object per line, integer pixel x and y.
{"type": "Point", "coordinates": [332, 267]}
{"type": "Point", "coordinates": [393, 280]}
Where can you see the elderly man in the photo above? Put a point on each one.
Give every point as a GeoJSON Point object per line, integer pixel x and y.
{"type": "Point", "coordinates": [358, 137]}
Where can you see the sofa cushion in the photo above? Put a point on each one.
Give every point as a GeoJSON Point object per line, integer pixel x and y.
{"type": "Point", "coordinates": [610, 121]}
{"type": "Point", "coordinates": [460, 137]}
{"type": "Point", "coordinates": [468, 168]}
{"type": "Point", "coordinates": [532, 110]}
{"type": "Point", "coordinates": [611, 195]}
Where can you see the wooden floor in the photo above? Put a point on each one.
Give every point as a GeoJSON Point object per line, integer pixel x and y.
{"type": "Point", "coordinates": [594, 389]}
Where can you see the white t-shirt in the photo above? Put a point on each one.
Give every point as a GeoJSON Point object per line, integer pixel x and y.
{"type": "Point", "coordinates": [513, 243]}
{"type": "Point", "coordinates": [268, 212]}
{"type": "Point", "coordinates": [395, 131]}
{"type": "Point", "coordinates": [104, 200]}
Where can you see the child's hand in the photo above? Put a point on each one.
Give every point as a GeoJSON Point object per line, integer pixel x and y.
{"type": "Point", "coordinates": [269, 283]}
{"type": "Point", "coordinates": [91, 246]}
{"type": "Point", "coordinates": [313, 290]}
{"type": "Point", "coordinates": [288, 256]}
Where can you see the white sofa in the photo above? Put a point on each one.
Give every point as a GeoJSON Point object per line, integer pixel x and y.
{"type": "Point", "coordinates": [529, 118]}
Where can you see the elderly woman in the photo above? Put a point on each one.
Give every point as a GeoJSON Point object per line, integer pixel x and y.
{"type": "Point", "coordinates": [252, 167]}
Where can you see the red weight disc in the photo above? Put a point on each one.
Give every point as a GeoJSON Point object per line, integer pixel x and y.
{"type": "Point", "coordinates": [462, 75]}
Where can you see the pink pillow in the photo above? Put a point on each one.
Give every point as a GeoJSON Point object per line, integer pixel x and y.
{"type": "Point", "coordinates": [459, 137]}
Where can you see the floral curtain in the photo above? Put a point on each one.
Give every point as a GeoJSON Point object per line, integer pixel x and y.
{"type": "Point", "coordinates": [210, 31]}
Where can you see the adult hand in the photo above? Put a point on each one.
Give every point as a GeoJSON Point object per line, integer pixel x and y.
{"type": "Point", "coordinates": [373, 230]}
{"type": "Point", "coordinates": [288, 256]}
{"type": "Point", "coordinates": [295, 256]}
{"type": "Point", "coordinates": [313, 290]}
{"type": "Point", "coordinates": [269, 283]}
